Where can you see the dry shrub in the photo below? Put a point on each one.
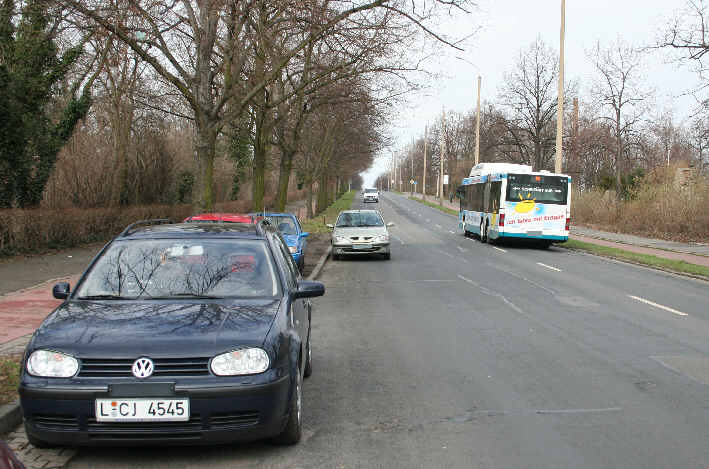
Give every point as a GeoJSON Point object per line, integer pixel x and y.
{"type": "Point", "coordinates": [26, 231]}
{"type": "Point", "coordinates": [660, 207]}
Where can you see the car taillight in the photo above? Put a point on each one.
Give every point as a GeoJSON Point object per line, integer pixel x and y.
{"type": "Point", "coordinates": [502, 220]}
{"type": "Point", "coordinates": [568, 223]}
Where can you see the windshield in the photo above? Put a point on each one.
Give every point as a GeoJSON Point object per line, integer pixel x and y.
{"type": "Point", "coordinates": [356, 219]}
{"type": "Point", "coordinates": [370, 190]}
{"type": "Point", "coordinates": [171, 268]}
{"type": "Point", "coordinates": [285, 225]}
{"type": "Point", "coordinates": [541, 189]}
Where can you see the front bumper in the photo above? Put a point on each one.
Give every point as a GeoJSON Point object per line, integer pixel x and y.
{"type": "Point", "coordinates": [219, 413]}
{"type": "Point", "coordinates": [370, 199]}
{"type": "Point", "coordinates": [349, 249]}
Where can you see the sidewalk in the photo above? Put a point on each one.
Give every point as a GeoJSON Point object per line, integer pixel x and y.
{"type": "Point", "coordinates": [693, 253]}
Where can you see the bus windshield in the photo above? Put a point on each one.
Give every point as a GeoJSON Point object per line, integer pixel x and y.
{"type": "Point", "coordinates": [542, 189]}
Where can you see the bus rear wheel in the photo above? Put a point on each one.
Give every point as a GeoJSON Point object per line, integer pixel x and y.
{"type": "Point", "coordinates": [483, 233]}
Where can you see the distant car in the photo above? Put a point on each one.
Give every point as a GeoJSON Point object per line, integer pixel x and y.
{"type": "Point", "coordinates": [359, 232]}
{"type": "Point", "coordinates": [221, 218]}
{"type": "Point", "coordinates": [177, 334]}
{"type": "Point", "coordinates": [289, 227]}
{"type": "Point", "coordinates": [370, 195]}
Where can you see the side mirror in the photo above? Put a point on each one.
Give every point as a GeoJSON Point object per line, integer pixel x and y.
{"type": "Point", "coordinates": [61, 291]}
{"type": "Point", "coordinates": [390, 224]}
{"type": "Point", "coordinates": [308, 289]}
{"type": "Point", "coordinates": [304, 234]}
{"type": "Point", "coordinates": [330, 225]}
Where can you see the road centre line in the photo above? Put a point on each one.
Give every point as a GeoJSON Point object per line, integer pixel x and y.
{"type": "Point", "coordinates": [549, 267]}
{"type": "Point", "coordinates": [451, 232]}
{"type": "Point", "coordinates": [446, 253]}
{"type": "Point", "coordinates": [666, 308]}
{"type": "Point", "coordinates": [501, 250]}
{"type": "Point", "coordinates": [461, 249]}
{"type": "Point", "coordinates": [438, 226]}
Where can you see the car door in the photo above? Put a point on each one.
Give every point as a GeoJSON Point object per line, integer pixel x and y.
{"type": "Point", "coordinates": [300, 307]}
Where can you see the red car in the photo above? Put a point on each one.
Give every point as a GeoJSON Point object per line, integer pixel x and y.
{"type": "Point", "coordinates": [221, 218]}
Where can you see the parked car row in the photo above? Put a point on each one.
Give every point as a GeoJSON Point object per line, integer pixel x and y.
{"type": "Point", "coordinates": [177, 333]}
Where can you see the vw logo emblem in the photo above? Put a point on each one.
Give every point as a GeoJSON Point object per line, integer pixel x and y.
{"type": "Point", "coordinates": [143, 367]}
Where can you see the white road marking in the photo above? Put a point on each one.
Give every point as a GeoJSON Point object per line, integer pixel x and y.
{"type": "Point", "coordinates": [549, 267]}
{"type": "Point", "coordinates": [666, 308]}
{"type": "Point", "coordinates": [461, 249]}
{"type": "Point", "coordinates": [451, 232]}
{"type": "Point", "coordinates": [438, 226]}
{"type": "Point", "coordinates": [501, 250]}
{"type": "Point", "coordinates": [446, 253]}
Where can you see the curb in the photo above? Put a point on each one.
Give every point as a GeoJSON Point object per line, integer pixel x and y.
{"type": "Point", "coordinates": [319, 266]}
{"type": "Point", "coordinates": [10, 417]}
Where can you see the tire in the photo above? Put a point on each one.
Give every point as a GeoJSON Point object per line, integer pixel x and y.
{"type": "Point", "coordinates": [483, 238]}
{"type": "Point", "coordinates": [301, 264]}
{"type": "Point", "coordinates": [37, 443]}
{"type": "Point", "coordinates": [294, 427]}
{"type": "Point", "coordinates": [308, 362]}
{"type": "Point", "coordinates": [387, 256]}
{"type": "Point", "coordinates": [488, 240]}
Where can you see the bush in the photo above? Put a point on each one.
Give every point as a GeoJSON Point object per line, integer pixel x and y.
{"type": "Point", "coordinates": [657, 206]}
{"type": "Point", "coordinates": [25, 231]}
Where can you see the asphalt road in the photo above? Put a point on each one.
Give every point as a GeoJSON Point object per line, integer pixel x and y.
{"type": "Point", "coordinates": [460, 354]}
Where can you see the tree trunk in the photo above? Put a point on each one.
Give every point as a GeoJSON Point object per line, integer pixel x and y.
{"type": "Point", "coordinates": [323, 190]}
{"type": "Point", "coordinates": [205, 144]}
{"type": "Point", "coordinates": [310, 199]}
{"type": "Point", "coordinates": [283, 180]}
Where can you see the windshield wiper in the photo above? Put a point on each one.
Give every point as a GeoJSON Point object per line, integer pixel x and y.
{"type": "Point", "coordinates": [185, 295]}
{"type": "Point", "coordinates": [105, 297]}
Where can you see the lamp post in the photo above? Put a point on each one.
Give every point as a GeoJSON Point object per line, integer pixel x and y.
{"type": "Point", "coordinates": [560, 105]}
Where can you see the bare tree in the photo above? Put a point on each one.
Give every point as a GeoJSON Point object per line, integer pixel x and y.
{"type": "Point", "coordinates": [529, 94]}
{"type": "Point", "coordinates": [620, 94]}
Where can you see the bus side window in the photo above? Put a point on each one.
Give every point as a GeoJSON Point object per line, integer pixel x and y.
{"type": "Point", "coordinates": [495, 192]}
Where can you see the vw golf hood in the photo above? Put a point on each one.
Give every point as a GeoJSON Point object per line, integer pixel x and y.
{"type": "Point", "coordinates": [106, 329]}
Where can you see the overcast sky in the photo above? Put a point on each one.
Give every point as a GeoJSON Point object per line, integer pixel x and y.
{"type": "Point", "coordinates": [504, 27]}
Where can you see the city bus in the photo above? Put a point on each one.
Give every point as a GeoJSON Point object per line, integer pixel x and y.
{"type": "Point", "coordinates": [512, 202]}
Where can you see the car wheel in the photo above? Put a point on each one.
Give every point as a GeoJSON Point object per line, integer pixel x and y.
{"type": "Point", "coordinates": [387, 256]}
{"type": "Point", "coordinates": [308, 362]}
{"type": "Point", "coordinates": [292, 432]}
{"type": "Point", "coordinates": [37, 443]}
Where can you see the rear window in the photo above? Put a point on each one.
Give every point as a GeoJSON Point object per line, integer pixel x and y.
{"type": "Point", "coordinates": [178, 268]}
{"type": "Point", "coordinates": [542, 189]}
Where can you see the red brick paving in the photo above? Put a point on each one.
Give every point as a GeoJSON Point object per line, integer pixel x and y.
{"type": "Point", "coordinates": [23, 311]}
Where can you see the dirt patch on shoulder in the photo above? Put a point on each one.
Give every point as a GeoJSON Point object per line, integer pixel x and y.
{"type": "Point", "coordinates": [318, 244]}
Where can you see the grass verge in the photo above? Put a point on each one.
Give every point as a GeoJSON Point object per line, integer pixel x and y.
{"type": "Point", "coordinates": [447, 210]}
{"type": "Point", "coordinates": [637, 258]}
{"type": "Point", "coordinates": [9, 378]}
{"type": "Point", "coordinates": [317, 223]}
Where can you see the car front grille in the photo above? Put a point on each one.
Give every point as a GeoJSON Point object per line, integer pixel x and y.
{"type": "Point", "coordinates": [55, 422]}
{"type": "Point", "coordinates": [164, 367]}
{"type": "Point", "coordinates": [194, 424]}
{"type": "Point", "coordinates": [233, 420]}
{"type": "Point", "coordinates": [360, 238]}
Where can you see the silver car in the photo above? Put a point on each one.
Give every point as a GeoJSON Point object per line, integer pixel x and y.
{"type": "Point", "coordinates": [358, 232]}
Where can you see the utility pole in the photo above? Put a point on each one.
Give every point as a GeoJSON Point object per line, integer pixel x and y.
{"type": "Point", "coordinates": [411, 181]}
{"type": "Point", "coordinates": [477, 126]}
{"type": "Point", "coordinates": [425, 148]}
{"type": "Point", "coordinates": [560, 106]}
{"type": "Point", "coordinates": [443, 155]}
{"type": "Point", "coordinates": [572, 165]}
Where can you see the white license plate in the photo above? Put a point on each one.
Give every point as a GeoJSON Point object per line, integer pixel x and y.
{"type": "Point", "coordinates": [142, 410]}
{"type": "Point", "coordinates": [361, 246]}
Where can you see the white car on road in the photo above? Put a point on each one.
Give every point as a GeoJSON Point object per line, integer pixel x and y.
{"type": "Point", "coordinates": [370, 195]}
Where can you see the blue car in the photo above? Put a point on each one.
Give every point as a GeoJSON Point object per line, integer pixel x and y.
{"type": "Point", "coordinates": [290, 229]}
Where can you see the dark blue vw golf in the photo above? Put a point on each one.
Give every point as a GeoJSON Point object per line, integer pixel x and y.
{"type": "Point", "coordinates": [175, 334]}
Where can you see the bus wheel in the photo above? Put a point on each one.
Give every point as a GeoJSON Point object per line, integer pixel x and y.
{"type": "Point", "coordinates": [487, 234]}
{"type": "Point", "coordinates": [483, 238]}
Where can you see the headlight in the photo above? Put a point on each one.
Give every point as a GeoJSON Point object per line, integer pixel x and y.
{"type": "Point", "coordinates": [293, 249]}
{"type": "Point", "coordinates": [381, 239]}
{"type": "Point", "coordinates": [246, 361]}
{"type": "Point", "coordinates": [340, 239]}
{"type": "Point", "coordinates": [49, 364]}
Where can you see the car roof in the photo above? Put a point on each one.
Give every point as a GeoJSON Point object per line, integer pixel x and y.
{"type": "Point", "coordinates": [226, 217]}
{"type": "Point", "coordinates": [359, 211]}
{"type": "Point", "coordinates": [197, 230]}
